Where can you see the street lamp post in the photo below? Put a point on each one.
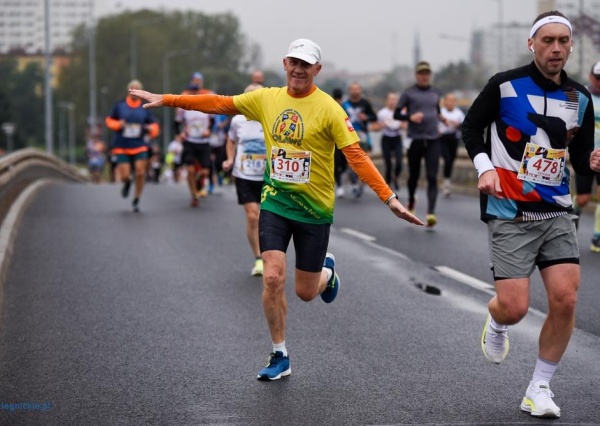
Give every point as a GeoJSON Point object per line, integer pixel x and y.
{"type": "Point", "coordinates": [133, 43]}
{"type": "Point", "coordinates": [70, 108]}
{"type": "Point", "coordinates": [166, 80]}
{"type": "Point", "coordinates": [48, 78]}
{"type": "Point", "coordinates": [93, 123]}
{"type": "Point", "coordinates": [500, 35]}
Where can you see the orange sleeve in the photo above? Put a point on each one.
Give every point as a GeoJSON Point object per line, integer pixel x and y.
{"type": "Point", "coordinates": [113, 124]}
{"type": "Point", "coordinates": [153, 130]}
{"type": "Point", "coordinates": [209, 103]}
{"type": "Point", "coordinates": [366, 170]}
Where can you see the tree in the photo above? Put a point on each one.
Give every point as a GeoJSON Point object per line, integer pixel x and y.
{"type": "Point", "coordinates": [212, 44]}
{"type": "Point", "coordinates": [21, 102]}
{"type": "Point", "coordinates": [460, 76]}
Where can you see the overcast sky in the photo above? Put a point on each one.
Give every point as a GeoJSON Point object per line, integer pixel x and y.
{"type": "Point", "coordinates": [357, 36]}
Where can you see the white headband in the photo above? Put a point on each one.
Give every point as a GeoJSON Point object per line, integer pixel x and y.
{"type": "Point", "coordinates": [550, 20]}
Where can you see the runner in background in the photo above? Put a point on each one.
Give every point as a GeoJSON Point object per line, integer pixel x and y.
{"type": "Point", "coordinates": [340, 162]}
{"type": "Point", "coordinates": [361, 114]}
{"type": "Point", "coordinates": [246, 156]}
{"type": "Point", "coordinates": [195, 129]}
{"type": "Point", "coordinates": [420, 106]}
{"type": "Point", "coordinates": [391, 140]}
{"type": "Point", "coordinates": [449, 137]}
{"type": "Point", "coordinates": [131, 124]}
{"type": "Point", "coordinates": [583, 183]}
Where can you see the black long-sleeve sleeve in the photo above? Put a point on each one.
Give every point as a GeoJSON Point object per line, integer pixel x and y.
{"type": "Point", "coordinates": [582, 144]}
{"type": "Point", "coordinates": [402, 103]}
{"type": "Point", "coordinates": [484, 110]}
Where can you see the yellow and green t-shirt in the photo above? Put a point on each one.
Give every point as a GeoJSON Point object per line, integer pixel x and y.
{"type": "Point", "coordinates": [300, 136]}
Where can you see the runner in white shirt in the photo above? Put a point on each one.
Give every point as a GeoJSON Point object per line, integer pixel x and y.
{"type": "Point", "coordinates": [246, 153]}
{"type": "Point", "coordinates": [391, 139]}
{"type": "Point", "coordinates": [196, 148]}
{"type": "Point", "coordinates": [449, 136]}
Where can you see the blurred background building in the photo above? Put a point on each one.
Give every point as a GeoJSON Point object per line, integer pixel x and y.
{"type": "Point", "coordinates": [585, 18]}
{"type": "Point", "coordinates": [22, 28]}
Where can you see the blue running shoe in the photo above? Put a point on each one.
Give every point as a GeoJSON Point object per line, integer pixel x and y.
{"type": "Point", "coordinates": [333, 285]}
{"type": "Point", "coordinates": [278, 367]}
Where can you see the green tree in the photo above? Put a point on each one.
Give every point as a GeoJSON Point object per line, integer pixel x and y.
{"type": "Point", "coordinates": [187, 41]}
{"type": "Point", "coordinates": [273, 79]}
{"type": "Point", "coordinates": [21, 102]}
{"type": "Point", "coordinates": [460, 76]}
{"type": "Point", "coordinates": [333, 83]}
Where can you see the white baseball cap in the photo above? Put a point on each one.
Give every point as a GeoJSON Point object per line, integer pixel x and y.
{"type": "Point", "coordinates": [596, 69]}
{"type": "Point", "coordinates": [305, 49]}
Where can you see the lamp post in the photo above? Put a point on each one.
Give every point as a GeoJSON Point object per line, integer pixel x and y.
{"type": "Point", "coordinates": [93, 117]}
{"type": "Point", "coordinates": [500, 35]}
{"type": "Point", "coordinates": [70, 108]}
{"type": "Point", "coordinates": [166, 81]}
{"type": "Point", "coordinates": [48, 78]}
{"type": "Point", "coordinates": [133, 43]}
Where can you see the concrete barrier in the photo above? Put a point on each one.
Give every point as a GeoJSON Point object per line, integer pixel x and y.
{"type": "Point", "coordinates": [22, 173]}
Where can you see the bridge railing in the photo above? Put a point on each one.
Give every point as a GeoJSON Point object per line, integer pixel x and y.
{"type": "Point", "coordinates": [21, 173]}
{"type": "Point", "coordinates": [21, 168]}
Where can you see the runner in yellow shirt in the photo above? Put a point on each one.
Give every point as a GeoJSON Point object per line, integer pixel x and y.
{"type": "Point", "coordinates": [302, 126]}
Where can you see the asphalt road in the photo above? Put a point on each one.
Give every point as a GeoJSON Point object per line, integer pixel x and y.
{"type": "Point", "coordinates": [460, 243]}
{"type": "Point", "coordinates": [111, 317]}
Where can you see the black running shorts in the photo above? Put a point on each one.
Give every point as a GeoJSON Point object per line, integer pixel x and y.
{"type": "Point", "coordinates": [196, 153]}
{"type": "Point", "coordinates": [248, 191]}
{"type": "Point", "coordinates": [310, 240]}
{"type": "Point", "coordinates": [584, 183]}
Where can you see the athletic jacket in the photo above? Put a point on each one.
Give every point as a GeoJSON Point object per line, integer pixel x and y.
{"type": "Point", "coordinates": [531, 123]}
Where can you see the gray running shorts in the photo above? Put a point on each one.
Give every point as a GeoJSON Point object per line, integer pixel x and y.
{"type": "Point", "coordinates": [516, 248]}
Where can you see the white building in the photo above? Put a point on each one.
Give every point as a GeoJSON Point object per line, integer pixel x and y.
{"type": "Point", "coordinates": [503, 47]}
{"type": "Point", "coordinates": [22, 24]}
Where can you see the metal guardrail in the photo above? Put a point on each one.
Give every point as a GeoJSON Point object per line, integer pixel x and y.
{"type": "Point", "coordinates": [23, 167]}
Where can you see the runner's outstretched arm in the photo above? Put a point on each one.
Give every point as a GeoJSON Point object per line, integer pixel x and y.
{"type": "Point", "coordinates": [208, 103]}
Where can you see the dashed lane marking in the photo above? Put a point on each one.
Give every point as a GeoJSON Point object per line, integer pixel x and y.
{"type": "Point", "coordinates": [465, 279]}
{"type": "Point", "coordinates": [358, 234]}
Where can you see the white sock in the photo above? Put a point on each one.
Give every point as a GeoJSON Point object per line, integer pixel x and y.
{"type": "Point", "coordinates": [280, 347]}
{"type": "Point", "coordinates": [544, 370]}
{"type": "Point", "coordinates": [328, 272]}
{"type": "Point", "coordinates": [498, 328]}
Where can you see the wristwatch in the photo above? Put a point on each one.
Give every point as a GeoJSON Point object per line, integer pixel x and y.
{"type": "Point", "coordinates": [391, 197]}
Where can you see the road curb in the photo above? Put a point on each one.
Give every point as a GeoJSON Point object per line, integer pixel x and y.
{"type": "Point", "coordinates": [10, 226]}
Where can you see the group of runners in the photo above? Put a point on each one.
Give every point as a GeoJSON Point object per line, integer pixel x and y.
{"type": "Point", "coordinates": [281, 146]}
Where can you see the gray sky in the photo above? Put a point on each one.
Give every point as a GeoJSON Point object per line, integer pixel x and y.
{"type": "Point", "coordinates": [357, 36]}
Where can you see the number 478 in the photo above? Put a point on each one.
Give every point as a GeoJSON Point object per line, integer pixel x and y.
{"type": "Point", "coordinates": [545, 165]}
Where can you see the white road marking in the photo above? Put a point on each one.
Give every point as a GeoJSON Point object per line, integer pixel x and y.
{"type": "Point", "coordinates": [454, 274]}
{"type": "Point", "coordinates": [358, 234]}
{"type": "Point", "coordinates": [464, 278]}
{"type": "Point", "coordinates": [475, 283]}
